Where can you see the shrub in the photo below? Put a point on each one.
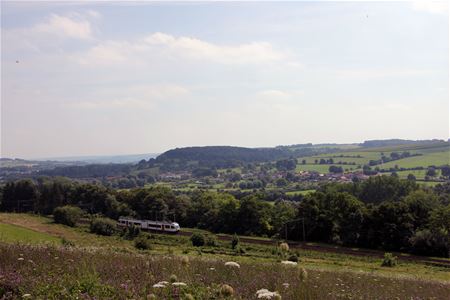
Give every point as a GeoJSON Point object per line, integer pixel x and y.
{"type": "Point", "coordinates": [67, 243]}
{"type": "Point", "coordinates": [431, 243]}
{"type": "Point", "coordinates": [234, 241]}
{"type": "Point", "coordinates": [389, 260]}
{"type": "Point", "coordinates": [131, 232]}
{"type": "Point", "coordinates": [293, 258]}
{"type": "Point", "coordinates": [67, 215]}
{"type": "Point", "coordinates": [197, 239]}
{"type": "Point", "coordinates": [211, 240]}
{"type": "Point", "coordinates": [239, 250]}
{"type": "Point", "coordinates": [143, 242]}
{"type": "Point", "coordinates": [103, 226]}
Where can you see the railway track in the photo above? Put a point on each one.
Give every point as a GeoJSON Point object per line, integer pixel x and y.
{"type": "Point", "coordinates": [335, 249]}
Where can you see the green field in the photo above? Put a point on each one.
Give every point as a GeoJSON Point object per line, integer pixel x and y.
{"type": "Point", "coordinates": [13, 233]}
{"type": "Point", "coordinates": [425, 160]}
{"type": "Point", "coordinates": [436, 154]}
{"type": "Point", "coordinates": [323, 168]}
{"type": "Point", "coordinates": [83, 269]}
{"type": "Point", "coordinates": [304, 192]}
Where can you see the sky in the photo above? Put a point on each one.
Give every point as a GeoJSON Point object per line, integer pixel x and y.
{"type": "Point", "coordinates": [102, 78]}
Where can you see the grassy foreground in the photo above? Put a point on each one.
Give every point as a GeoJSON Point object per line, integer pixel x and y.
{"type": "Point", "coordinates": [87, 266]}
{"type": "Point", "coordinates": [66, 273]}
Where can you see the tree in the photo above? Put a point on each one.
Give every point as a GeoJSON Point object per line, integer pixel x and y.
{"type": "Point", "coordinates": [286, 164]}
{"type": "Point", "coordinates": [411, 177]}
{"type": "Point", "coordinates": [197, 239]}
{"type": "Point", "coordinates": [336, 169]}
{"type": "Point", "coordinates": [67, 215]}
{"type": "Point", "coordinates": [445, 171]}
{"type": "Point", "coordinates": [431, 172]}
{"type": "Point", "coordinates": [103, 226]}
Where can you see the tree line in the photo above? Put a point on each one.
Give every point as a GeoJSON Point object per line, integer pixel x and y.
{"type": "Point", "coordinates": [383, 212]}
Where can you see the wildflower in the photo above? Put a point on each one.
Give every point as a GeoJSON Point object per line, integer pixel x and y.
{"type": "Point", "coordinates": [179, 284]}
{"type": "Point", "coordinates": [212, 269]}
{"type": "Point", "coordinates": [285, 285]}
{"type": "Point", "coordinates": [26, 295]}
{"type": "Point", "coordinates": [288, 262]}
{"type": "Point", "coordinates": [302, 274]}
{"type": "Point", "coordinates": [20, 258]}
{"type": "Point", "coordinates": [226, 290]}
{"type": "Point", "coordinates": [284, 247]}
{"type": "Point", "coordinates": [151, 297]}
{"type": "Point", "coordinates": [232, 264]}
{"type": "Point", "coordinates": [266, 294]}
{"type": "Point", "coordinates": [161, 284]}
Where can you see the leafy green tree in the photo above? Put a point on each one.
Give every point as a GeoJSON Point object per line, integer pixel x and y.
{"type": "Point", "coordinates": [67, 215]}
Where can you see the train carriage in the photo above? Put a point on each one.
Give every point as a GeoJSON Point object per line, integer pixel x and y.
{"type": "Point", "coordinates": [157, 226]}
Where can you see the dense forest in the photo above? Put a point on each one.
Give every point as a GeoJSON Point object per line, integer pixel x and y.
{"type": "Point", "coordinates": [230, 157]}
{"type": "Point", "coordinates": [383, 212]}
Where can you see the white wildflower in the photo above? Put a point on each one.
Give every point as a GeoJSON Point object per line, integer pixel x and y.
{"type": "Point", "coordinates": [179, 284]}
{"type": "Point", "coordinates": [20, 258]}
{"type": "Point", "coordinates": [288, 262]}
{"type": "Point", "coordinates": [232, 264]}
{"type": "Point", "coordinates": [266, 294]}
{"type": "Point", "coordinates": [26, 295]}
{"type": "Point", "coordinates": [285, 285]}
{"type": "Point", "coordinates": [161, 284]}
{"type": "Point", "coordinates": [212, 269]}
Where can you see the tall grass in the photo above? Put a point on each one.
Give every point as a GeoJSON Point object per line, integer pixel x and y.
{"type": "Point", "coordinates": [48, 272]}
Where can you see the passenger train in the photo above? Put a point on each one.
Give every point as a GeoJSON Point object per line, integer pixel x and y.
{"type": "Point", "coordinates": [160, 226]}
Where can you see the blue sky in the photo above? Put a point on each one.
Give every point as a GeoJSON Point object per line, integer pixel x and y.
{"type": "Point", "coordinates": [90, 78]}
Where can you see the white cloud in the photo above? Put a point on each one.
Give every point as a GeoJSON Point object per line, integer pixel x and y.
{"type": "Point", "coordinates": [435, 7]}
{"type": "Point", "coordinates": [63, 26]}
{"type": "Point", "coordinates": [375, 73]}
{"type": "Point", "coordinates": [132, 97]}
{"type": "Point", "coordinates": [254, 52]}
{"type": "Point", "coordinates": [170, 47]}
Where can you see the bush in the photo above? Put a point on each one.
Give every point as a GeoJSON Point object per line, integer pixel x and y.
{"type": "Point", "coordinates": [67, 243]}
{"type": "Point", "coordinates": [389, 260]}
{"type": "Point", "coordinates": [431, 243]}
{"type": "Point", "coordinates": [131, 232]}
{"type": "Point", "coordinates": [211, 240]}
{"type": "Point", "coordinates": [103, 226]}
{"type": "Point", "coordinates": [293, 258]}
{"type": "Point", "coordinates": [143, 242]}
{"type": "Point", "coordinates": [67, 215]}
{"type": "Point", "coordinates": [197, 239]}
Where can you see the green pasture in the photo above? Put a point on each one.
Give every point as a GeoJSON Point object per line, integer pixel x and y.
{"type": "Point", "coordinates": [425, 160]}
{"type": "Point", "coordinates": [13, 233]}
{"type": "Point", "coordinates": [322, 168]}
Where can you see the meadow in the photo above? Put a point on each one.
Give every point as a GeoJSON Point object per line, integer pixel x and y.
{"type": "Point", "coordinates": [84, 265]}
